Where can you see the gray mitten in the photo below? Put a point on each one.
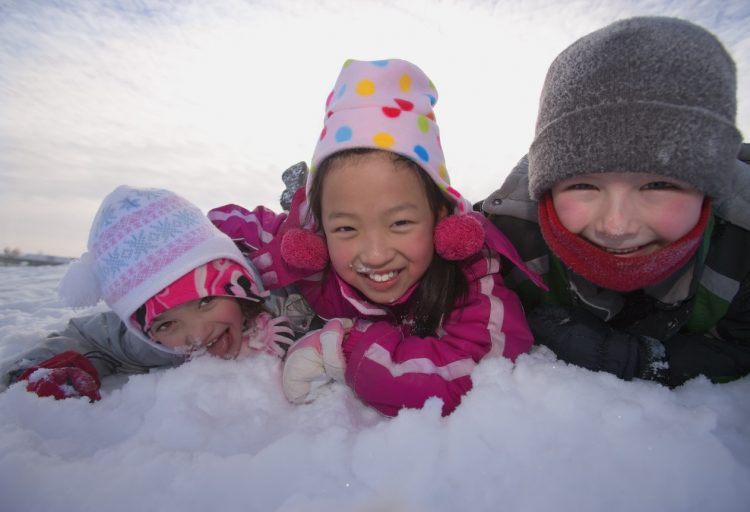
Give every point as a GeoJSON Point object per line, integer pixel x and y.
{"type": "Point", "coordinates": [294, 179]}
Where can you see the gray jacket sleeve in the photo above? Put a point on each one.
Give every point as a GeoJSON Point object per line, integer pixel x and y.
{"type": "Point", "coordinates": [103, 339]}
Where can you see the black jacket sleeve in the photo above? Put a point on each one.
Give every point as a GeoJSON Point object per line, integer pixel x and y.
{"type": "Point", "coordinates": [578, 337]}
{"type": "Point", "coordinates": [723, 354]}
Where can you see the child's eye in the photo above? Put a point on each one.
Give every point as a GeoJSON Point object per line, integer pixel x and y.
{"type": "Point", "coordinates": [205, 301]}
{"type": "Point", "coordinates": [162, 327]}
{"type": "Point", "coordinates": [581, 186]}
{"type": "Point", "coordinates": [402, 223]}
{"type": "Point", "coordinates": [660, 185]}
{"type": "Point", "coordinates": [342, 230]}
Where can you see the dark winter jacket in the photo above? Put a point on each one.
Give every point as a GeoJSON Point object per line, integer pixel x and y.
{"type": "Point", "coordinates": [695, 322]}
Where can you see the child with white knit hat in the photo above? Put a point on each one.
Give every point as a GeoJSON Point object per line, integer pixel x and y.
{"type": "Point", "coordinates": [634, 206]}
{"type": "Point", "coordinates": [180, 287]}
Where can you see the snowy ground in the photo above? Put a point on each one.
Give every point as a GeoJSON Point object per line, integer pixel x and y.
{"type": "Point", "coordinates": [219, 435]}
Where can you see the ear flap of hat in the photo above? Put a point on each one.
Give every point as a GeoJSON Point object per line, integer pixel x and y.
{"type": "Point", "coordinates": [304, 250]}
{"type": "Point", "coordinates": [79, 286]}
{"type": "Point", "coordinates": [457, 237]}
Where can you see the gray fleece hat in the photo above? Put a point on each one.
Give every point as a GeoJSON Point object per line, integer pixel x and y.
{"type": "Point", "coordinates": [652, 94]}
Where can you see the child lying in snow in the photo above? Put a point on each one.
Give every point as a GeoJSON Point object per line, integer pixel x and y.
{"type": "Point", "coordinates": [177, 287]}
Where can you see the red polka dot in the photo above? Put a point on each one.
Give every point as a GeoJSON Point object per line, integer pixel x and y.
{"type": "Point", "coordinates": [430, 115]}
{"type": "Point", "coordinates": [391, 111]}
{"type": "Point", "coordinates": [328, 99]}
{"type": "Point", "coordinates": [329, 113]}
{"type": "Point", "coordinates": [323, 133]}
{"type": "Point", "coordinates": [405, 105]}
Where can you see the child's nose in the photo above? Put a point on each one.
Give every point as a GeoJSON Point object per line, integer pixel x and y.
{"type": "Point", "coordinates": [197, 333]}
{"type": "Point", "coordinates": [376, 250]}
{"type": "Point", "coordinates": [618, 216]}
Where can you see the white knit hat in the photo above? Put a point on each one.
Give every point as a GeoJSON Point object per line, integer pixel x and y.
{"type": "Point", "coordinates": [141, 241]}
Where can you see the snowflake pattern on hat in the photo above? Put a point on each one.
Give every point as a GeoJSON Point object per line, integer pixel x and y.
{"type": "Point", "coordinates": [138, 236]}
{"type": "Point", "coordinates": [141, 241]}
{"type": "Point", "coordinates": [388, 105]}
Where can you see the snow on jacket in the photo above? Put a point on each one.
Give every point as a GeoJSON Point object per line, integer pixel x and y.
{"type": "Point", "coordinates": [387, 366]}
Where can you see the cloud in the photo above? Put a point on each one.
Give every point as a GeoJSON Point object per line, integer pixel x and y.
{"type": "Point", "coordinates": [214, 100]}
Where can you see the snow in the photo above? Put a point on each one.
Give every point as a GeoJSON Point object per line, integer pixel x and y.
{"type": "Point", "coordinates": [216, 434]}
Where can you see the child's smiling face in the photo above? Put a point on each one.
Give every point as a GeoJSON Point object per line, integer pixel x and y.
{"type": "Point", "coordinates": [627, 214]}
{"type": "Point", "coordinates": [215, 324]}
{"type": "Point", "coordinates": [378, 225]}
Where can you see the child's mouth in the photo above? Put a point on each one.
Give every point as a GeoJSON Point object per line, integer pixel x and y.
{"type": "Point", "coordinates": [378, 280]}
{"type": "Point", "coordinates": [220, 345]}
{"type": "Point", "coordinates": [622, 252]}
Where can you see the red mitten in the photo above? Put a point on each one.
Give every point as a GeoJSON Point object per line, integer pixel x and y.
{"type": "Point", "coordinates": [64, 376]}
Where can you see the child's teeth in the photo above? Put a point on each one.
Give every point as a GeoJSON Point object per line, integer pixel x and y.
{"type": "Point", "coordinates": [622, 251]}
{"type": "Point", "coordinates": [383, 277]}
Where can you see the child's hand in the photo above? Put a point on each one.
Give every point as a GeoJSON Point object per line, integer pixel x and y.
{"type": "Point", "coordinates": [66, 375]}
{"type": "Point", "coordinates": [579, 337]}
{"type": "Point", "coordinates": [314, 360]}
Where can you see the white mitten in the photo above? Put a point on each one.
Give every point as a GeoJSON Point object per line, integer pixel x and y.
{"type": "Point", "coordinates": [315, 360]}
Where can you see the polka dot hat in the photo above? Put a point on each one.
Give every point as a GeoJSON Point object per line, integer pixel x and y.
{"type": "Point", "coordinates": [386, 104]}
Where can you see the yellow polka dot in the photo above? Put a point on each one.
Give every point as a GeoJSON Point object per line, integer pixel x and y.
{"type": "Point", "coordinates": [365, 87]}
{"type": "Point", "coordinates": [405, 83]}
{"type": "Point", "coordinates": [383, 140]}
{"type": "Point", "coordinates": [443, 172]}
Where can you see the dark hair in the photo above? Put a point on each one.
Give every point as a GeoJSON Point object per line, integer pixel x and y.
{"type": "Point", "coordinates": [250, 308]}
{"type": "Point", "coordinates": [443, 284]}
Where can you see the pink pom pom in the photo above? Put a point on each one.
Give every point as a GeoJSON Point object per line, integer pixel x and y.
{"type": "Point", "coordinates": [458, 236]}
{"type": "Point", "coordinates": [304, 250]}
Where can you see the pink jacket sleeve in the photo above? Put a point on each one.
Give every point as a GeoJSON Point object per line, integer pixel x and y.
{"type": "Point", "coordinates": [253, 230]}
{"type": "Point", "coordinates": [259, 234]}
{"type": "Point", "coordinates": [390, 370]}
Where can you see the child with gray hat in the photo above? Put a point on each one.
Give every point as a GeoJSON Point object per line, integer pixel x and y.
{"type": "Point", "coordinates": [634, 206]}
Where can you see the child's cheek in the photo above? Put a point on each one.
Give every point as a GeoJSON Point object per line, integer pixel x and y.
{"type": "Point", "coordinates": [677, 216]}
{"type": "Point", "coordinates": [573, 214]}
{"type": "Point", "coordinates": [338, 252]}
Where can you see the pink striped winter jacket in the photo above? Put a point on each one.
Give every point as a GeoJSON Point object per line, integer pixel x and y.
{"type": "Point", "coordinates": [387, 366]}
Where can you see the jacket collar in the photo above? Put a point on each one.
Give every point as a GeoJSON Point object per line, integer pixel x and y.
{"type": "Point", "coordinates": [366, 307]}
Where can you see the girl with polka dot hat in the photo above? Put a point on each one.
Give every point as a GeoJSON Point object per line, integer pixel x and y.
{"type": "Point", "coordinates": [382, 246]}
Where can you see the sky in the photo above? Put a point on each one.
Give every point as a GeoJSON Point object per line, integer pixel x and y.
{"type": "Point", "coordinates": [219, 435]}
{"type": "Point", "coordinates": [214, 99]}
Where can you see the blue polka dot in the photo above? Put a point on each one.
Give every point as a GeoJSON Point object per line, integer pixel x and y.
{"type": "Point", "coordinates": [380, 63]}
{"type": "Point", "coordinates": [433, 100]}
{"type": "Point", "coordinates": [341, 92]}
{"type": "Point", "coordinates": [422, 153]}
{"type": "Point", "coordinates": [343, 134]}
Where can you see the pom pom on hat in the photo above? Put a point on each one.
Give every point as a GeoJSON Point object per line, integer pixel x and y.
{"type": "Point", "coordinates": [79, 286]}
{"type": "Point", "coordinates": [304, 250]}
{"type": "Point", "coordinates": [458, 236]}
